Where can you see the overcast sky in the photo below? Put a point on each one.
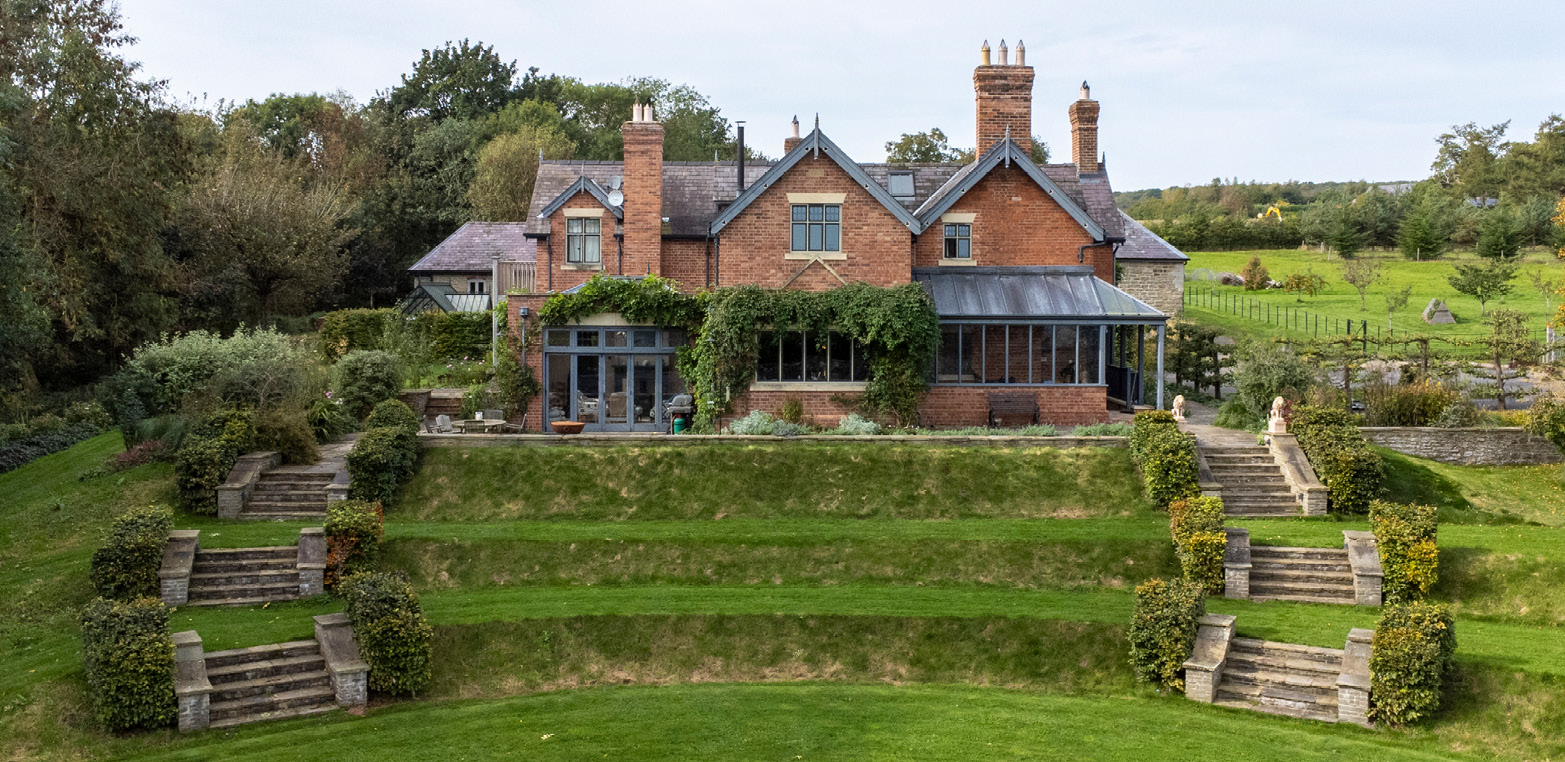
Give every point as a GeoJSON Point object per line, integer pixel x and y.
{"type": "Point", "coordinates": [1318, 90]}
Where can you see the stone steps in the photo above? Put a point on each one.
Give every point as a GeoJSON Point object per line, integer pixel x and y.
{"type": "Point", "coordinates": [268, 682]}
{"type": "Point", "coordinates": [1306, 575]}
{"type": "Point", "coordinates": [1253, 484]}
{"type": "Point", "coordinates": [283, 511]}
{"type": "Point", "coordinates": [1281, 678]}
{"type": "Point", "coordinates": [244, 576]}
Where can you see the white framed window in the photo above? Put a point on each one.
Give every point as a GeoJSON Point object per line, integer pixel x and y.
{"type": "Point", "coordinates": [816, 227]}
{"type": "Point", "coordinates": [583, 240]}
{"type": "Point", "coordinates": [475, 286]}
{"type": "Point", "coordinates": [959, 241]}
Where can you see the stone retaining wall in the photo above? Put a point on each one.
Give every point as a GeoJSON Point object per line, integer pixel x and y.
{"type": "Point", "coordinates": [653, 440]}
{"type": "Point", "coordinates": [1467, 447]}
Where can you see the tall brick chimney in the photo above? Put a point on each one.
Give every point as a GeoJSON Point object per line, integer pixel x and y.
{"type": "Point", "coordinates": [1084, 132]}
{"type": "Point", "coordinates": [643, 136]}
{"type": "Point", "coordinates": [1004, 95]}
{"type": "Point", "coordinates": [793, 139]}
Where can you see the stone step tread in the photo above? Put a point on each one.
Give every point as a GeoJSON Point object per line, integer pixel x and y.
{"type": "Point", "coordinates": [268, 684]}
{"type": "Point", "coordinates": [262, 653]}
{"type": "Point", "coordinates": [243, 600]}
{"type": "Point", "coordinates": [282, 665]}
{"type": "Point", "coordinates": [1254, 690]}
{"type": "Point", "coordinates": [246, 587]}
{"type": "Point", "coordinates": [235, 552]}
{"type": "Point", "coordinates": [1256, 644]}
{"type": "Point", "coordinates": [1256, 706]}
{"type": "Point", "coordinates": [1293, 552]}
{"type": "Point", "coordinates": [1297, 598]}
{"type": "Point", "coordinates": [281, 714]}
{"type": "Point", "coordinates": [269, 514]}
{"type": "Point", "coordinates": [239, 581]}
{"type": "Point", "coordinates": [245, 567]}
{"type": "Point", "coordinates": [1289, 584]}
{"type": "Point", "coordinates": [270, 702]}
{"type": "Point", "coordinates": [1282, 563]}
{"type": "Point", "coordinates": [1273, 664]}
{"type": "Point", "coordinates": [1279, 514]}
{"type": "Point", "coordinates": [1261, 509]}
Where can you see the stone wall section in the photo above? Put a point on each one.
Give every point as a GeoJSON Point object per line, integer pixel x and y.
{"type": "Point", "coordinates": [1467, 447]}
{"type": "Point", "coordinates": [1160, 284]}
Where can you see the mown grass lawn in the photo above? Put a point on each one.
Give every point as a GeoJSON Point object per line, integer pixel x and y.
{"type": "Point", "coordinates": [1340, 301]}
{"type": "Point", "coordinates": [900, 611]}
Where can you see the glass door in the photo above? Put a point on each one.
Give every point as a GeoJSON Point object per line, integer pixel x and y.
{"type": "Point", "coordinates": [616, 392]}
{"type": "Point", "coordinates": [588, 394]}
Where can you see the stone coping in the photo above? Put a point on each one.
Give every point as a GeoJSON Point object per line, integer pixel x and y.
{"type": "Point", "coordinates": [334, 633]}
{"type": "Point", "coordinates": [190, 676]}
{"type": "Point", "coordinates": [655, 439]}
{"type": "Point", "coordinates": [1363, 553]}
{"type": "Point", "coordinates": [1236, 553]}
{"type": "Point", "coordinates": [179, 554]}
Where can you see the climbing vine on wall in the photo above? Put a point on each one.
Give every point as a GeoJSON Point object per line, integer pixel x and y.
{"type": "Point", "coordinates": [897, 327]}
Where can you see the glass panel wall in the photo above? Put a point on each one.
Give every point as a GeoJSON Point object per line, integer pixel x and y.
{"type": "Point", "coordinates": [804, 357]}
{"type": "Point", "coordinates": [611, 378]}
{"type": "Point", "coordinates": [1018, 353]}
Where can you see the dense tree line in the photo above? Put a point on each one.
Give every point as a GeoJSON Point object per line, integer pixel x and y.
{"type": "Point", "coordinates": [1483, 192]}
{"type": "Point", "coordinates": [125, 214]}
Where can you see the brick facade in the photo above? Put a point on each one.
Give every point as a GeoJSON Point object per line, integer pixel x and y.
{"type": "Point", "coordinates": [1017, 224]}
{"type": "Point", "coordinates": [643, 196]}
{"type": "Point", "coordinates": [1004, 100]}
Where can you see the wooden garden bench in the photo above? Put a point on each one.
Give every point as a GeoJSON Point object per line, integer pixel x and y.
{"type": "Point", "coordinates": [1012, 405]}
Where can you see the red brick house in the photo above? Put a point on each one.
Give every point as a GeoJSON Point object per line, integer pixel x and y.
{"type": "Point", "coordinates": [1021, 262]}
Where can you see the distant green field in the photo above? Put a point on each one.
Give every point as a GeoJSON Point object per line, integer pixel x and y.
{"type": "Point", "coordinates": [1328, 312]}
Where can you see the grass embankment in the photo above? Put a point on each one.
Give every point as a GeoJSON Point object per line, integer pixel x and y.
{"type": "Point", "coordinates": [1340, 301]}
{"type": "Point", "coordinates": [787, 480]}
{"type": "Point", "coordinates": [962, 587]}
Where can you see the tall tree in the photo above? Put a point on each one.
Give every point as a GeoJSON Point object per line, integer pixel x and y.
{"type": "Point", "coordinates": [1499, 237]}
{"type": "Point", "coordinates": [1345, 236]}
{"type": "Point", "coordinates": [925, 147]}
{"type": "Point", "coordinates": [507, 167]}
{"type": "Point", "coordinates": [97, 160]}
{"type": "Point", "coordinates": [1467, 159]}
{"type": "Point", "coordinates": [1508, 344]}
{"type": "Point", "coordinates": [456, 81]}
{"type": "Point", "coordinates": [1426, 229]}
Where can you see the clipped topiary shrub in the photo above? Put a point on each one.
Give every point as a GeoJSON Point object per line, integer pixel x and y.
{"type": "Point", "coordinates": [1411, 654]}
{"type": "Point", "coordinates": [1351, 470]}
{"type": "Point", "coordinates": [1163, 629]}
{"type": "Point", "coordinates": [1409, 556]}
{"type": "Point", "coordinates": [1167, 460]}
{"type": "Point", "coordinates": [1196, 524]}
{"type": "Point", "coordinates": [380, 461]}
{"type": "Point", "coordinates": [126, 567]}
{"type": "Point", "coordinates": [1147, 422]}
{"type": "Point", "coordinates": [365, 377]}
{"type": "Point", "coordinates": [288, 433]}
{"type": "Point", "coordinates": [393, 413]}
{"type": "Point", "coordinates": [353, 532]}
{"type": "Point", "coordinates": [200, 467]}
{"type": "Point", "coordinates": [130, 663]}
{"type": "Point", "coordinates": [392, 633]}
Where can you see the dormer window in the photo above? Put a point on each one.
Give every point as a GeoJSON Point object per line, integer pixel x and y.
{"type": "Point", "coordinates": [959, 241]}
{"type": "Point", "coordinates": [901, 185]}
{"type": "Point", "coordinates": [816, 227]}
{"type": "Point", "coordinates": [582, 240]}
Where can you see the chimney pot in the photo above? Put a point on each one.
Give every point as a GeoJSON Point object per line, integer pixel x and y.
{"type": "Point", "coordinates": [983, 54]}
{"type": "Point", "coordinates": [1021, 53]}
{"type": "Point", "coordinates": [1086, 92]}
{"type": "Point", "coordinates": [795, 125]}
{"type": "Point", "coordinates": [1004, 54]}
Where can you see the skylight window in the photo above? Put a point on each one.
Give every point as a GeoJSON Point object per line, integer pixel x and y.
{"type": "Point", "coordinates": [902, 185]}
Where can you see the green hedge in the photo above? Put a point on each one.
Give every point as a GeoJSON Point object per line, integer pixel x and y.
{"type": "Point", "coordinates": [1412, 652]}
{"type": "Point", "coordinates": [126, 567]}
{"type": "Point", "coordinates": [1163, 629]}
{"type": "Point", "coordinates": [1166, 457]}
{"type": "Point", "coordinates": [129, 662]}
{"type": "Point", "coordinates": [1196, 525]}
{"type": "Point", "coordinates": [380, 462]}
{"type": "Point", "coordinates": [461, 335]}
{"type": "Point", "coordinates": [1409, 556]}
{"type": "Point", "coordinates": [394, 413]}
{"type": "Point", "coordinates": [1350, 469]}
{"type": "Point", "coordinates": [364, 378]}
{"type": "Point", "coordinates": [392, 633]}
{"type": "Point", "coordinates": [288, 433]}
{"type": "Point", "coordinates": [206, 456]}
{"type": "Point", "coordinates": [354, 530]}
{"type": "Point", "coordinates": [346, 331]}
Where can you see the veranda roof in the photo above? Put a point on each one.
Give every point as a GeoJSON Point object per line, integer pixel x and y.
{"type": "Point", "coordinates": [1031, 293]}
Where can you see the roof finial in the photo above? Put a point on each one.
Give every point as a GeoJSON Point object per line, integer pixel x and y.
{"type": "Point", "coordinates": [1007, 146]}
{"type": "Point", "coordinates": [817, 120]}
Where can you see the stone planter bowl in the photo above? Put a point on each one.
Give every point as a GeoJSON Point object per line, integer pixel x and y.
{"type": "Point", "coordinates": [567, 427]}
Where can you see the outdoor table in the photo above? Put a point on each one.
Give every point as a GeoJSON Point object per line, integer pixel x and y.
{"type": "Point", "coordinates": [482, 425]}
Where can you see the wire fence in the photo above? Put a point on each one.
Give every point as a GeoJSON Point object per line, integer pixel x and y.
{"type": "Point", "coordinates": [1312, 324]}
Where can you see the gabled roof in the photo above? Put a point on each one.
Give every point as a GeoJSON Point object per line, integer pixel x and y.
{"type": "Point", "coordinates": [1142, 244]}
{"type": "Point", "coordinates": [583, 184]}
{"type": "Point", "coordinates": [815, 144]}
{"type": "Point", "coordinates": [1005, 152]}
{"type": "Point", "coordinates": [471, 248]}
{"type": "Point", "coordinates": [1030, 293]}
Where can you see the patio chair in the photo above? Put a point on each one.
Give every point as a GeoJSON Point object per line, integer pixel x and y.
{"type": "Point", "coordinates": [442, 424]}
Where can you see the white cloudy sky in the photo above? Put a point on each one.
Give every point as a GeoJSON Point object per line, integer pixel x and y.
{"type": "Point", "coordinates": [1317, 90]}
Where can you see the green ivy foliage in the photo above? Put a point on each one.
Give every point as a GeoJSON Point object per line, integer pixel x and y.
{"type": "Point", "coordinates": [1351, 470]}
{"type": "Point", "coordinates": [126, 567]}
{"type": "Point", "coordinates": [391, 631]}
{"type": "Point", "coordinates": [1163, 630]}
{"type": "Point", "coordinates": [1196, 524]}
{"type": "Point", "coordinates": [1409, 557]}
{"type": "Point", "coordinates": [381, 461]}
{"type": "Point", "coordinates": [1166, 457]}
{"type": "Point", "coordinates": [129, 658]}
{"type": "Point", "coordinates": [896, 326]}
{"type": "Point", "coordinates": [354, 529]}
{"type": "Point", "coordinates": [1411, 654]}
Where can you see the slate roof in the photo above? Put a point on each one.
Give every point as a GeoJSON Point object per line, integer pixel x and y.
{"type": "Point", "coordinates": [1007, 152]}
{"type": "Point", "coordinates": [469, 249]}
{"type": "Point", "coordinates": [1031, 293]}
{"type": "Point", "coordinates": [1142, 244]}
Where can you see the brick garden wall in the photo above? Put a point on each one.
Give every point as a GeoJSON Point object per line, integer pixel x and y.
{"type": "Point", "coordinates": [957, 406]}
